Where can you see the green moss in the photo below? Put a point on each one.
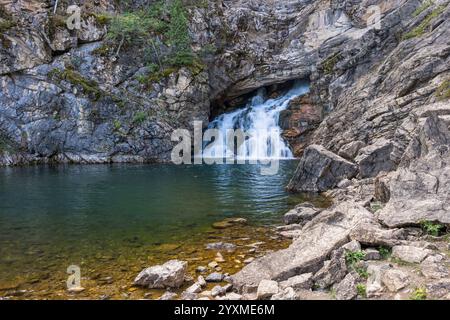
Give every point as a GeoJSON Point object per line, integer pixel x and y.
{"type": "Point", "coordinates": [443, 91]}
{"type": "Point", "coordinates": [419, 294]}
{"type": "Point", "coordinates": [102, 19]}
{"type": "Point", "coordinates": [425, 24]}
{"type": "Point", "coordinates": [329, 63]}
{"type": "Point", "coordinates": [89, 87]}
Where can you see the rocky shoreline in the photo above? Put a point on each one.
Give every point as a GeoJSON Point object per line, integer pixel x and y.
{"type": "Point", "coordinates": [363, 246]}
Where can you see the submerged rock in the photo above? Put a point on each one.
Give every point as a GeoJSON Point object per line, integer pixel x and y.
{"type": "Point", "coordinates": [221, 246]}
{"type": "Point", "coordinates": [169, 275]}
{"type": "Point", "coordinates": [214, 277]}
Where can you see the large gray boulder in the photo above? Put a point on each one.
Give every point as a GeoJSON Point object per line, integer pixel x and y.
{"type": "Point", "coordinates": [169, 275]}
{"type": "Point", "coordinates": [375, 158]}
{"type": "Point", "coordinates": [326, 232]}
{"type": "Point", "coordinates": [320, 170]}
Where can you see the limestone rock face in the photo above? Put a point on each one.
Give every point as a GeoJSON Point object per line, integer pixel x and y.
{"type": "Point", "coordinates": [420, 188]}
{"type": "Point", "coordinates": [320, 170]}
{"type": "Point", "coordinates": [169, 275]}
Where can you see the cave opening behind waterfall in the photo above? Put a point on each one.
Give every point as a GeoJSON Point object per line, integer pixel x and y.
{"type": "Point", "coordinates": [252, 130]}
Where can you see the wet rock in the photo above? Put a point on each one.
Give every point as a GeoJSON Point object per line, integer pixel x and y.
{"type": "Point", "coordinates": [266, 289]}
{"type": "Point", "coordinates": [434, 267]}
{"type": "Point", "coordinates": [301, 214]}
{"type": "Point", "coordinates": [346, 289]}
{"type": "Point", "coordinates": [201, 269]}
{"type": "Point", "coordinates": [221, 246]}
{"type": "Point", "coordinates": [76, 289]}
{"type": "Point", "coordinates": [213, 265]}
{"type": "Point", "coordinates": [169, 275]}
{"type": "Point", "coordinates": [395, 280]}
{"type": "Point", "coordinates": [201, 281]}
{"type": "Point", "coordinates": [214, 277]}
{"type": "Point", "coordinates": [195, 288]}
{"type": "Point", "coordinates": [168, 296]}
{"type": "Point", "coordinates": [375, 158]}
{"type": "Point", "coordinates": [319, 170]}
{"type": "Point", "coordinates": [372, 254]}
{"type": "Point", "coordinates": [410, 254]}
{"type": "Point", "coordinates": [303, 281]}
{"type": "Point", "coordinates": [219, 258]}
{"type": "Point", "coordinates": [249, 260]}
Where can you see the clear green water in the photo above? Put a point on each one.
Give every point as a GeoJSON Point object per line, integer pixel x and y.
{"type": "Point", "coordinates": [51, 217]}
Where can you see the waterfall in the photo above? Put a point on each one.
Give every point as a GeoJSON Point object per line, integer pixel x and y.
{"type": "Point", "coordinates": [259, 121]}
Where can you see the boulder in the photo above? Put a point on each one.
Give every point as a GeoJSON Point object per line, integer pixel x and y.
{"type": "Point", "coordinates": [372, 254]}
{"type": "Point", "coordinates": [214, 277]}
{"type": "Point", "coordinates": [266, 289]}
{"type": "Point", "coordinates": [438, 289]}
{"type": "Point", "coordinates": [303, 281]}
{"type": "Point", "coordinates": [346, 289]}
{"type": "Point", "coordinates": [301, 214]}
{"type": "Point", "coordinates": [374, 285]}
{"type": "Point", "coordinates": [319, 170]}
{"type": "Point", "coordinates": [217, 291]}
{"type": "Point", "coordinates": [230, 296]}
{"type": "Point", "coordinates": [328, 231]}
{"type": "Point", "coordinates": [410, 254]}
{"type": "Point", "coordinates": [350, 150]}
{"type": "Point", "coordinates": [169, 275]}
{"type": "Point", "coordinates": [352, 246]}
{"type": "Point", "coordinates": [395, 280]}
{"type": "Point", "coordinates": [375, 158]}
{"type": "Point", "coordinates": [434, 267]}
{"type": "Point", "coordinates": [372, 234]}
{"type": "Point", "coordinates": [195, 288]}
{"type": "Point", "coordinates": [333, 270]}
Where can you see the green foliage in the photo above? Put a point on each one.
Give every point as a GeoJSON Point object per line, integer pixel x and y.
{"type": "Point", "coordinates": [432, 228]}
{"type": "Point", "coordinates": [424, 6]}
{"type": "Point", "coordinates": [353, 257]}
{"type": "Point", "coordinates": [140, 117]}
{"type": "Point", "coordinates": [361, 288]}
{"type": "Point", "coordinates": [166, 22]}
{"type": "Point", "coordinates": [443, 91]}
{"type": "Point", "coordinates": [385, 252]}
{"type": "Point", "coordinates": [419, 294]}
{"type": "Point", "coordinates": [362, 272]}
{"type": "Point", "coordinates": [102, 19]}
{"type": "Point", "coordinates": [117, 125]}
{"type": "Point", "coordinates": [425, 24]}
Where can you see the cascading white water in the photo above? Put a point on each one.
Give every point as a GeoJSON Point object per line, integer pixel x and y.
{"type": "Point", "coordinates": [259, 121]}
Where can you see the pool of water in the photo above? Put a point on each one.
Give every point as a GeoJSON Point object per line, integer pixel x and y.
{"type": "Point", "coordinates": [123, 216]}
